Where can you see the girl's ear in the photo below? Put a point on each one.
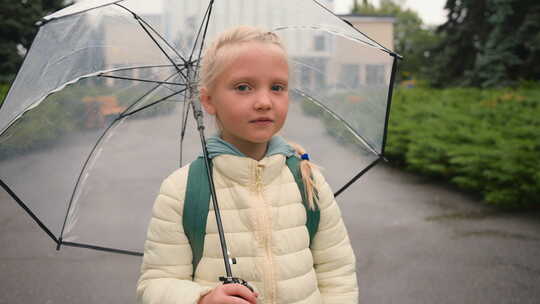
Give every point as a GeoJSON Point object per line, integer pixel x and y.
{"type": "Point", "coordinates": [206, 101]}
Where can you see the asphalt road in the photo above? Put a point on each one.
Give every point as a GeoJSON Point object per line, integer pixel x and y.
{"type": "Point", "coordinates": [415, 241]}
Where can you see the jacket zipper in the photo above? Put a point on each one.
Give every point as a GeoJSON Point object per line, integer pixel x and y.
{"type": "Point", "coordinates": [267, 231]}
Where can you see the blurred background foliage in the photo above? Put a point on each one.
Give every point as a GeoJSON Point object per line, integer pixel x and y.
{"type": "Point", "coordinates": [17, 31]}
{"type": "Point", "coordinates": [466, 108]}
{"type": "Point", "coordinates": [488, 43]}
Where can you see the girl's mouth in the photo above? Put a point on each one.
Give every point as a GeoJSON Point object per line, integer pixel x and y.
{"type": "Point", "coordinates": [262, 121]}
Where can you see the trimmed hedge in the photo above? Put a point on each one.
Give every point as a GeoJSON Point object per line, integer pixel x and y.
{"type": "Point", "coordinates": [487, 141]}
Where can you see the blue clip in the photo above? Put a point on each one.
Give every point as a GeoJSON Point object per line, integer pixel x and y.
{"type": "Point", "coordinates": [304, 156]}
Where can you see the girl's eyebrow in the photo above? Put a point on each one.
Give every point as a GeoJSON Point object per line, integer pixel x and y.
{"type": "Point", "coordinates": [234, 81]}
{"type": "Point", "coordinates": [254, 79]}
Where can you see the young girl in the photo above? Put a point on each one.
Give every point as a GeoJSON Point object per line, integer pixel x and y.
{"type": "Point", "coordinates": [244, 84]}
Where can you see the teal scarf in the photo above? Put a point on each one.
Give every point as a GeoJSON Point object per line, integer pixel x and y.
{"type": "Point", "coordinates": [217, 146]}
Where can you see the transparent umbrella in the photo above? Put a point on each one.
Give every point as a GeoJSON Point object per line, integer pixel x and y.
{"type": "Point", "coordinates": [101, 110]}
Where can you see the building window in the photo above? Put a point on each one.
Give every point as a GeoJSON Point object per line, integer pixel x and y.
{"type": "Point", "coordinates": [350, 76]}
{"type": "Point", "coordinates": [319, 43]}
{"type": "Point", "coordinates": [305, 77]}
{"type": "Point", "coordinates": [320, 78]}
{"type": "Point", "coordinates": [374, 74]}
{"type": "Point", "coordinates": [312, 73]}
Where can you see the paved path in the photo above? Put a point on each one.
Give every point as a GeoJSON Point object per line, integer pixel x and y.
{"type": "Point", "coordinates": [419, 242]}
{"type": "Point", "coordinates": [416, 242]}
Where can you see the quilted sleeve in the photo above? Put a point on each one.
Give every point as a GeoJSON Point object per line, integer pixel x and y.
{"type": "Point", "coordinates": [166, 268]}
{"type": "Point", "coordinates": [333, 257]}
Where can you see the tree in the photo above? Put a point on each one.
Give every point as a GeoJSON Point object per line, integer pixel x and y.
{"type": "Point", "coordinates": [17, 30]}
{"type": "Point", "coordinates": [488, 43]}
{"type": "Point", "coordinates": [412, 39]}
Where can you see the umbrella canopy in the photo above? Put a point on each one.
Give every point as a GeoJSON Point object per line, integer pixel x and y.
{"type": "Point", "coordinates": [98, 114]}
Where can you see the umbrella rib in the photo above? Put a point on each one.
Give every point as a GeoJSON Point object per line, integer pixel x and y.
{"type": "Point", "coordinates": [357, 176]}
{"type": "Point", "coordinates": [142, 24]}
{"type": "Point", "coordinates": [208, 11]}
{"type": "Point", "coordinates": [34, 104]}
{"type": "Point", "coordinates": [382, 47]}
{"type": "Point", "coordinates": [389, 101]}
{"type": "Point", "coordinates": [336, 116]}
{"type": "Point", "coordinates": [210, 6]}
{"type": "Point", "coordinates": [162, 50]}
{"type": "Point", "coordinates": [148, 93]}
{"type": "Point", "coordinates": [45, 19]}
{"type": "Point", "coordinates": [100, 248]}
{"type": "Point", "coordinates": [141, 80]}
{"type": "Point", "coordinates": [32, 215]}
{"type": "Point", "coordinates": [185, 113]}
{"type": "Point", "coordinates": [137, 67]}
{"type": "Point", "coordinates": [322, 28]}
{"type": "Point", "coordinates": [163, 39]}
{"type": "Point", "coordinates": [314, 69]}
{"type": "Point", "coordinates": [99, 141]}
{"type": "Point", "coordinates": [151, 104]}
{"type": "Point", "coordinates": [141, 20]}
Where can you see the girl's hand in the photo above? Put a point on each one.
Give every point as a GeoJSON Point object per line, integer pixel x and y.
{"type": "Point", "coordinates": [230, 294]}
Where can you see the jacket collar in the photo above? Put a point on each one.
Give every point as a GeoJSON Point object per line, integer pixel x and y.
{"type": "Point", "coordinates": [247, 171]}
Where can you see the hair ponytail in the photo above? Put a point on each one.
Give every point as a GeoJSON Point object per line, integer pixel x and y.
{"type": "Point", "coordinates": [306, 170]}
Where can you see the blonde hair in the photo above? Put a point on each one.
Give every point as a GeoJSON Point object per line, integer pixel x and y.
{"type": "Point", "coordinates": [215, 61]}
{"type": "Point", "coordinates": [306, 169]}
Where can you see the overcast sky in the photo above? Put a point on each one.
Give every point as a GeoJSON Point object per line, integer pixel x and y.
{"type": "Point", "coordinates": [431, 11]}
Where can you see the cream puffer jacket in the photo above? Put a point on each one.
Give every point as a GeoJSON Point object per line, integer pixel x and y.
{"type": "Point", "coordinates": [264, 222]}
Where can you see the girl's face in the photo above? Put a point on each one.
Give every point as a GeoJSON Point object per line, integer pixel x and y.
{"type": "Point", "coordinates": [250, 96]}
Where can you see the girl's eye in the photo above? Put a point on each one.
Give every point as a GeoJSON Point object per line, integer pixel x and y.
{"type": "Point", "coordinates": [242, 87]}
{"type": "Point", "coordinates": [278, 87]}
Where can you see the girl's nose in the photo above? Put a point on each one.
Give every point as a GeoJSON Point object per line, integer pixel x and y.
{"type": "Point", "coordinates": [264, 101]}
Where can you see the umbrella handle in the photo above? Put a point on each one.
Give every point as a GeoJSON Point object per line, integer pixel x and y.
{"type": "Point", "coordinates": [233, 280]}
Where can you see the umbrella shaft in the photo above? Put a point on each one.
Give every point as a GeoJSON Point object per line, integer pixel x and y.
{"type": "Point", "coordinates": [200, 126]}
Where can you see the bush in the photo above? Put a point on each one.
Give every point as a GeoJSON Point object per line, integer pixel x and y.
{"type": "Point", "coordinates": [487, 141]}
{"type": "Point", "coordinates": [3, 92]}
{"type": "Point", "coordinates": [64, 112]}
{"type": "Point", "coordinates": [41, 127]}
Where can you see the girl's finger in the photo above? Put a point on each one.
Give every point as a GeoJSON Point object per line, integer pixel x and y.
{"type": "Point", "coordinates": [241, 291]}
{"type": "Point", "coordinates": [237, 300]}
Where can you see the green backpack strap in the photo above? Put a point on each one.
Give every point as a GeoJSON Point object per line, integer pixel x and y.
{"type": "Point", "coordinates": [313, 216]}
{"type": "Point", "coordinates": [196, 204]}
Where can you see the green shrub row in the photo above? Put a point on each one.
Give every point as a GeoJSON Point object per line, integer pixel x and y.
{"type": "Point", "coordinates": [487, 141]}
